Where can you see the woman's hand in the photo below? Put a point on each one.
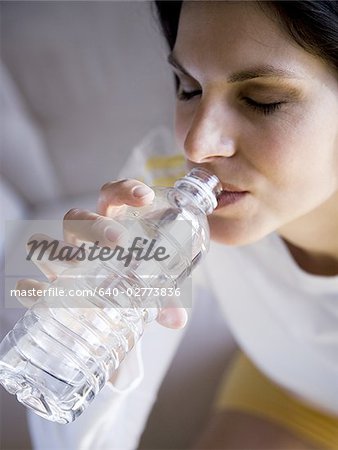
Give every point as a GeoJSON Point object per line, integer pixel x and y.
{"type": "Point", "coordinates": [102, 228]}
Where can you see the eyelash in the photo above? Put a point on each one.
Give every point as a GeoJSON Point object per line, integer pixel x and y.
{"type": "Point", "coordinates": [185, 96]}
{"type": "Point", "coordinates": [262, 108]}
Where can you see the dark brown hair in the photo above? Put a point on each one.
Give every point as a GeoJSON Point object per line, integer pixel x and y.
{"type": "Point", "coordinates": [313, 24]}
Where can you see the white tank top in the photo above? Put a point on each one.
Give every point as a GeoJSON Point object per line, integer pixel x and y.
{"type": "Point", "coordinates": [285, 319]}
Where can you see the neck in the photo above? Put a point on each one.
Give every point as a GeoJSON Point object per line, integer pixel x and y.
{"type": "Point", "coordinates": [313, 239]}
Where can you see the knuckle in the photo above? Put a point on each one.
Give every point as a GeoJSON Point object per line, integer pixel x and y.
{"type": "Point", "coordinates": [107, 186]}
{"type": "Point", "coordinates": [97, 222]}
{"type": "Point", "coordinates": [71, 214]}
{"type": "Point", "coordinates": [114, 184]}
{"type": "Point", "coordinates": [99, 225]}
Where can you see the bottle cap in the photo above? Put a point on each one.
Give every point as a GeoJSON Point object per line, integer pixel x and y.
{"type": "Point", "coordinates": [205, 182]}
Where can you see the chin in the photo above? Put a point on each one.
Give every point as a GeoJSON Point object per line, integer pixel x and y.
{"type": "Point", "coordinates": [234, 232]}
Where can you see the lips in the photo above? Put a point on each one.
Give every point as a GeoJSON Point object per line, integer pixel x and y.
{"type": "Point", "coordinates": [230, 194]}
{"type": "Point", "coordinates": [231, 188]}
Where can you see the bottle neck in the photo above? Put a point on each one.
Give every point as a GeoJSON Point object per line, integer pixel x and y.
{"type": "Point", "coordinates": [198, 188]}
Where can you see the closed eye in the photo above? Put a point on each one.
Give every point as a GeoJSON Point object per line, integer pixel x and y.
{"type": "Point", "coordinates": [187, 95]}
{"type": "Point", "coordinates": [263, 108]}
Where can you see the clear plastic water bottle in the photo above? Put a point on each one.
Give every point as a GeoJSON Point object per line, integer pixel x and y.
{"type": "Point", "coordinates": [60, 354]}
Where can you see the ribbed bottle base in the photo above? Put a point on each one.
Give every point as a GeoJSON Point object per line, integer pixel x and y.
{"type": "Point", "coordinates": [30, 395]}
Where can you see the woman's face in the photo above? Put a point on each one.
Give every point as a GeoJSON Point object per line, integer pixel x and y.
{"type": "Point", "coordinates": [258, 111]}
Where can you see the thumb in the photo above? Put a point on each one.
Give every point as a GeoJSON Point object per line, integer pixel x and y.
{"type": "Point", "coordinates": [172, 315]}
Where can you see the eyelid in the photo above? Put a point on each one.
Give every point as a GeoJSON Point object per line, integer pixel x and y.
{"type": "Point", "coordinates": [282, 90]}
{"type": "Point", "coordinates": [188, 95]}
{"type": "Point", "coordinates": [249, 99]}
{"type": "Point", "coordinates": [181, 77]}
{"type": "Point", "coordinates": [263, 108]}
{"type": "Point", "coordinates": [186, 88]}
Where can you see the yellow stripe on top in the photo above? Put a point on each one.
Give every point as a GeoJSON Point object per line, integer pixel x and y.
{"type": "Point", "coordinates": [164, 162]}
{"type": "Point", "coordinates": [167, 181]}
{"type": "Point", "coordinates": [246, 389]}
{"type": "Point", "coordinates": [164, 170]}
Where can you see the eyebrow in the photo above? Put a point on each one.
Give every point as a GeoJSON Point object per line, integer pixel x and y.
{"type": "Point", "coordinates": [243, 75]}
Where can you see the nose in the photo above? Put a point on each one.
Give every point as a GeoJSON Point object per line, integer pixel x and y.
{"type": "Point", "coordinates": [210, 134]}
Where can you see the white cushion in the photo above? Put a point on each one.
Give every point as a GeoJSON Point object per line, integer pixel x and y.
{"type": "Point", "coordinates": [24, 160]}
{"type": "Point", "coordinates": [96, 77]}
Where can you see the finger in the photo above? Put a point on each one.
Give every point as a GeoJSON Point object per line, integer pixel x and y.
{"type": "Point", "coordinates": [30, 286]}
{"type": "Point", "coordinates": [116, 194]}
{"type": "Point", "coordinates": [51, 256]}
{"type": "Point", "coordinates": [81, 226]}
{"type": "Point", "coordinates": [172, 314]}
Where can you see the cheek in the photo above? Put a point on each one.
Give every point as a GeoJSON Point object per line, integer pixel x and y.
{"type": "Point", "coordinates": [298, 162]}
{"type": "Point", "coordinates": [293, 149]}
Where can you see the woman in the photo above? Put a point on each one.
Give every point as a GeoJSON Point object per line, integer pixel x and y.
{"type": "Point", "coordinates": [257, 104]}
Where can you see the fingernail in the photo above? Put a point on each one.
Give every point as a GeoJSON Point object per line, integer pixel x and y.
{"type": "Point", "coordinates": [112, 234]}
{"type": "Point", "coordinates": [167, 319]}
{"type": "Point", "coordinates": [140, 191]}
